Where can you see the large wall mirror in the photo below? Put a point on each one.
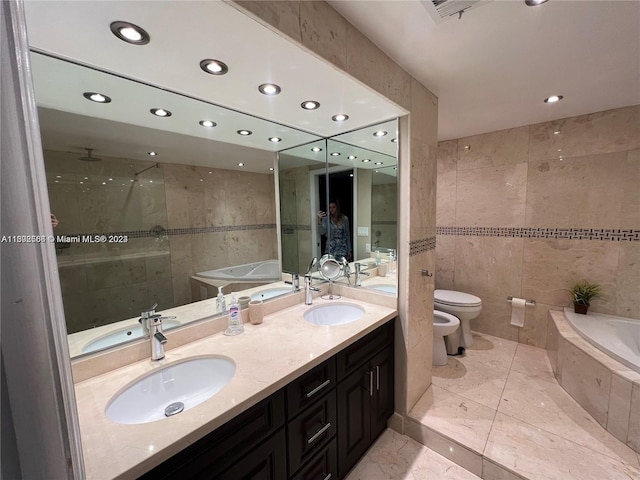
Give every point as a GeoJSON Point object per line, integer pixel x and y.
{"type": "Point", "coordinates": [166, 208]}
{"type": "Point", "coordinates": [361, 180]}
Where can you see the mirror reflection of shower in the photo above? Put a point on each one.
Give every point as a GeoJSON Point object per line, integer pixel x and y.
{"type": "Point", "coordinates": [135, 174]}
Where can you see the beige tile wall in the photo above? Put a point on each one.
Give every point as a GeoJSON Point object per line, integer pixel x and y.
{"type": "Point", "coordinates": [323, 31]}
{"type": "Point", "coordinates": [585, 176]}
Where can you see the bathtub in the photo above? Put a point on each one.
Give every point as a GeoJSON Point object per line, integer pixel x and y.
{"type": "Point", "coordinates": [256, 272]}
{"type": "Point", "coordinates": [616, 336]}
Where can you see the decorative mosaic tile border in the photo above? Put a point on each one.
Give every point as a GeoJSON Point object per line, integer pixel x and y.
{"type": "Point", "coordinates": [615, 235]}
{"type": "Point", "coordinates": [286, 228]}
{"type": "Point", "coordinates": [384, 222]}
{"type": "Point", "coordinates": [420, 246]}
{"type": "Point", "coordinates": [159, 232]}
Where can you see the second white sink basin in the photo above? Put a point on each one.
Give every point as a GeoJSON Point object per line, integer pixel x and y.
{"type": "Point", "coordinates": [337, 313]}
{"type": "Point", "coordinates": [117, 337]}
{"type": "Point", "coordinates": [270, 293]}
{"type": "Point", "coordinates": [170, 390]}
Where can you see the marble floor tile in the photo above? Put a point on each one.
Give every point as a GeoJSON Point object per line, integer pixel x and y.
{"type": "Point", "coordinates": [537, 454]}
{"type": "Point", "coordinates": [476, 381]}
{"type": "Point", "coordinates": [454, 416]}
{"type": "Point", "coordinates": [397, 457]}
{"type": "Point", "coordinates": [544, 404]}
{"type": "Point", "coordinates": [492, 351]}
{"type": "Point", "coordinates": [532, 361]}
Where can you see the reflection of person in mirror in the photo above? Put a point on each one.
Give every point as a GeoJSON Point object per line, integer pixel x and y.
{"type": "Point", "coordinates": [337, 225]}
{"type": "Point", "coordinates": [54, 221]}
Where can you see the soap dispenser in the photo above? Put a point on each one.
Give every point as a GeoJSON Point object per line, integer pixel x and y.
{"type": "Point", "coordinates": [235, 321]}
{"type": "Point", "coordinates": [221, 304]}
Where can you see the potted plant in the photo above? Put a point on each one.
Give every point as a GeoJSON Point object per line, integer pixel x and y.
{"type": "Point", "coordinates": [582, 293]}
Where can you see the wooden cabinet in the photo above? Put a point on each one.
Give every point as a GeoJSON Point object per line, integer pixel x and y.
{"type": "Point", "coordinates": [365, 395]}
{"type": "Point", "coordinates": [315, 428]}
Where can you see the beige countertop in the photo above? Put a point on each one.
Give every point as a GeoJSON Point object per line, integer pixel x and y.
{"type": "Point", "coordinates": [267, 357]}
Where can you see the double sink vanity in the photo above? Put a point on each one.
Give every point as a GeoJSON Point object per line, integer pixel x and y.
{"type": "Point", "coordinates": [300, 396]}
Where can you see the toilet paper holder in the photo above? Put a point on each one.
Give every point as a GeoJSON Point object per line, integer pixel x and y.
{"type": "Point", "coordinates": [531, 303]}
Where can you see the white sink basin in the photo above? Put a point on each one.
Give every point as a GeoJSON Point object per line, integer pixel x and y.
{"type": "Point", "coordinates": [172, 388]}
{"type": "Point", "coordinates": [385, 287]}
{"type": "Point", "coordinates": [270, 293]}
{"type": "Point", "coordinates": [123, 335]}
{"type": "Point", "coordinates": [337, 313]}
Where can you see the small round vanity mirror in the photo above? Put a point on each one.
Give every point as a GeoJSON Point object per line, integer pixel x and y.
{"type": "Point", "coordinates": [330, 269]}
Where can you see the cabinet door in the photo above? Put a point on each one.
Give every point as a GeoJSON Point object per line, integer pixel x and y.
{"type": "Point", "coordinates": [382, 400]}
{"type": "Point", "coordinates": [266, 462]}
{"type": "Point", "coordinates": [354, 418]}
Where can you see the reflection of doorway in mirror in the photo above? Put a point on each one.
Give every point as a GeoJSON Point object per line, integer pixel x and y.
{"type": "Point", "coordinates": [341, 189]}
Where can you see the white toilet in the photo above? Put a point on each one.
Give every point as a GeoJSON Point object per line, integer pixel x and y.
{"type": "Point", "coordinates": [463, 305]}
{"type": "Point", "coordinates": [443, 324]}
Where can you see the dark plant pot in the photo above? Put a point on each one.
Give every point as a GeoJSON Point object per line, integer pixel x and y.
{"type": "Point", "coordinates": [581, 308]}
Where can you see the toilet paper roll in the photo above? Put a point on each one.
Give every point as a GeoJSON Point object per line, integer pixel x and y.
{"type": "Point", "coordinates": [517, 311]}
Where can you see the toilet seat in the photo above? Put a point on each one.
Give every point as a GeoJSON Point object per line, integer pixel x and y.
{"type": "Point", "coordinates": [444, 318]}
{"type": "Point", "coordinates": [456, 299]}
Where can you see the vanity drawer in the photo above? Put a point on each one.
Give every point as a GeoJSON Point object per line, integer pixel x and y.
{"type": "Point", "coordinates": [360, 352]}
{"type": "Point", "coordinates": [310, 431]}
{"type": "Point", "coordinates": [310, 387]}
{"type": "Point", "coordinates": [323, 466]}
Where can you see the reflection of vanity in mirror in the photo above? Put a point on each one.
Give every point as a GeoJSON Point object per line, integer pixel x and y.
{"type": "Point", "coordinates": [190, 219]}
{"type": "Point", "coordinates": [361, 175]}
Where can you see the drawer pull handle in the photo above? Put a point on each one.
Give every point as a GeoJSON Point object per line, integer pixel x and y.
{"type": "Point", "coordinates": [371, 383]}
{"type": "Point", "coordinates": [327, 477]}
{"type": "Point", "coordinates": [318, 388]}
{"type": "Point", "coordinates": [377, 377]}
{"type": "Point", "coordinates": [320, 432]}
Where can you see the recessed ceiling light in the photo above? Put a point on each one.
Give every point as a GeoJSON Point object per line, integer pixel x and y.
{"type": "Point", "coordinates": [351, 157]}
{"type": "Point", "coordinates": [379, 133]}
{"type": "Point", "coordinates": [214, 67]}
{"type": "Point", "coordinates": [208, 123]}
{"type": "Point", "coordinates": [269, 89]}
{"type": "Point", "coordinates": [244, 132]}
{"type": "Point", "coordinates": [467, 147]}
{"type": "Point", "coordinates": [557, 132]}
{"type": "Point", "coordinates": [335, 154]}
{"type": "Point", "coordinates": [341, 117]}
{"type": "Point", "coordinates": [271, 169]}
{"type": "Point", "coordinates": [310, 105]}
{"type": "Point", "coordinates": [351, 174]}
{"type": "Point", "coordinates": [379, 163]}
{"type": "Point", "coordinates": [160, 112]}
{"type": "Point", "coordinates": [394, 140]}
{"type": "Point", "coordinates": [241, 164]}
{"type": "Point", "coordinates": [553, 99]}
{"type": "Point", "coordinates": [534, 3]}
{"type": "Point", "coordinates": [316, 149]}
{"type": "Point", "coordinates": [275, 139]}
{"type": "Point", "coordinates": [96, 97]}
{"type": "Point", "coordinates": [152, 154]}
{"type": "Point", "coordinates": [366, 160]}
{"type": "Point", "coordinates": [130, 33]}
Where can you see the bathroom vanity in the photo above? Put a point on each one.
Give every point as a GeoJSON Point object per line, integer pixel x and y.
{"type": "Point", "coordinates": [305, 402]}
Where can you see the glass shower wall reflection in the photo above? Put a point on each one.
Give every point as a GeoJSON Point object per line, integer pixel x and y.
{"type": "Point", "coordinates": [114, 258]}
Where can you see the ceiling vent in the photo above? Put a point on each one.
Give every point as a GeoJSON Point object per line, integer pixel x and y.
{"type": "Point", "coordinates": [443, 10]}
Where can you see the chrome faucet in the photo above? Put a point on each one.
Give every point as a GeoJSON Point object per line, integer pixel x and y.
{"type": "Point", "coordinates": [152, 328]}
{"type": "Point", "coordinates": [358, 281]}
{"type": "Point", "coordinates": [346, 270]}
{"type": "Point", "coordinates": [295, 282]}
{"type": "Point", "coordinates": [308, 290]}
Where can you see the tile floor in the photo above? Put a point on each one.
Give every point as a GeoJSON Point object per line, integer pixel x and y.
{"type": "Point", "coordinates": [499, 412]}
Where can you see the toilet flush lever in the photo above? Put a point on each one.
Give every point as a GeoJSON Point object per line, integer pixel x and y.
{"type": "Point", "coordinates": [426, 273]}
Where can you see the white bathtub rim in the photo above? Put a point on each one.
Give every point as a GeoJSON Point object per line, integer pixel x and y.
{"type": "Point", "coordinates": [219, 274]}
{"type": "Point", "coordinates": [605, 356]}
